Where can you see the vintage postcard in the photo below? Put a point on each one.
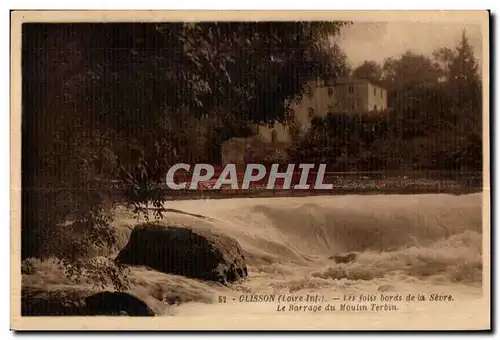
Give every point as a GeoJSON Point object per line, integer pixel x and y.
{"type": "Point", "coordinates": [238, 170]}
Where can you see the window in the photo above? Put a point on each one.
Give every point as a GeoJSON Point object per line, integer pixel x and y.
{"type": "Point", "coordinates": [274, 136]}
{"type": "Point", "coordinates": [310, 112]}
{"type": "Point", "coordinates": [375, 107]}
{"type": "Point", "coordinates": [374, 91]}
{"type": "Point", "coordinates": [351, 89]}
{"type": "Point", "coordinates": [330, 92]}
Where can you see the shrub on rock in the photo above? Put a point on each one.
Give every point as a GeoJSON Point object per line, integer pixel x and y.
{"type": "Point", "coordinates": [41, 302]}
{"type": "Point", "coordinates": [183, 251]}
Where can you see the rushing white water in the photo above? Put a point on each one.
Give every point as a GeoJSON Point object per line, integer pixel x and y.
{"type": "Point", "coordinates": [404, 244]}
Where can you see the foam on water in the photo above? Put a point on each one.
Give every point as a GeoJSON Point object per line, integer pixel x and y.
{"type": "Point", "coordinates": [426, 236]}
{"type": "Point", "coordinates": [403, 242]}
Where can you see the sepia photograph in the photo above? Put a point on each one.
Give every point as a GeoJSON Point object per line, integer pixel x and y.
{"type": "Point", "coordinates": [278, 170]}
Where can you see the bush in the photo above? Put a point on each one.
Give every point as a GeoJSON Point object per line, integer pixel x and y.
{"type": "Point", "coordinates": [28, 266]}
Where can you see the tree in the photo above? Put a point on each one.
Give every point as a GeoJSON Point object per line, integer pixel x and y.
{"type": "Point", "coordinates": [104, 103]}
{"type": "Point", "coordinates": [368, 70]}
{"type": "Point", "coordinates": [421, 109]}
{"type": "Point", "coordinates": [464, 79]}
{"type": "Point", "coordinates": [444, 57]}
{"type": "Point", "coordinates": [410, 69]}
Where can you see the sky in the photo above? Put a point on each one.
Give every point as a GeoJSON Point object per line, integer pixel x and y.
{"type": "Point", "coordinates": [380, 40]}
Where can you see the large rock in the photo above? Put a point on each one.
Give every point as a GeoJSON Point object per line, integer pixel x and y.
{"type": "Point", "coordinates": [76, 301]}
{"type": "Point", "coordinates": [182, 251]}
{"type": "Point", "coordinates": [116, 303]}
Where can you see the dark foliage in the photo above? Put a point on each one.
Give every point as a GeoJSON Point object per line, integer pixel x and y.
{"type": "Point", "coordinates": [112, 105]}
{"type": "Point", "coordinates": [433, 121]}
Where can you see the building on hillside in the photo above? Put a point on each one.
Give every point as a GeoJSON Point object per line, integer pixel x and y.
{"type": "Point", "coordinates": [341, 96]}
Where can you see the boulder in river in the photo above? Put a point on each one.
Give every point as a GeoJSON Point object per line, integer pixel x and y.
{"type": "Point", "coordinates": [116, 303]}
{"type": "Point", "coordinates": [200, 254]}
{"type": "Point", "coordinates": [344, 258]}
{"type": "Point", "coordinates": [74, 301]}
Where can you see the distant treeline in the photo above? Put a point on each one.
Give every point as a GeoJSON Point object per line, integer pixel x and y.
{"type": "Point", "coordinates": [434, 120]}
